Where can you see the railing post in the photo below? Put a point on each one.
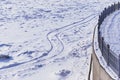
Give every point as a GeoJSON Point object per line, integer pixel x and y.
{"type": "Point", "coordinates": [114, 7]}
{"type": "Point", "coordinates": [108, 48]}
{"type": "Point", "coordinates": [102, 45]}
{"type": "Point", "coordinates": [119, 67]}
{"type": "Point", "coordinates": [99, 39]}
{"type": "Point", "coordinates": [118, 5]}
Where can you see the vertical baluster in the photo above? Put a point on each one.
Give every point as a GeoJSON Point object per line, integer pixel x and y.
{"type": "Point", "coordinates": [119, 67]}
{"type": "Point", "coordinates": [108, 50]}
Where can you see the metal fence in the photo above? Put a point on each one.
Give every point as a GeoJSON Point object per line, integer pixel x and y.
{"type": "Point", "coordinates": [112, 60]}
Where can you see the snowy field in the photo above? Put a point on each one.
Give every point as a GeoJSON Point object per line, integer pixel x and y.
{"type": "Point", "coordinates": [47, 39]}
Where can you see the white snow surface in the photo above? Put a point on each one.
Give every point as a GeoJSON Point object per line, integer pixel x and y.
{"type": "Point", "coordinates": [47, 39]}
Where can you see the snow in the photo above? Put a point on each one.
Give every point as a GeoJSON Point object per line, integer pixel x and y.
{"type": "Point", "coordinates": [47, 39]}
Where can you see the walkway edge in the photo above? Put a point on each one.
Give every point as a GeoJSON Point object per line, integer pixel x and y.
{"type": "Point", "coordinates": [99, 73]}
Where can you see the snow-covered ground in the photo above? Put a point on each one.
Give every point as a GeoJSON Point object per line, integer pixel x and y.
{"type": "Point", "coordinates": [47, 39]}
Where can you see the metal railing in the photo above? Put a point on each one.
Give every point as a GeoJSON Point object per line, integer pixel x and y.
{"type": "Point", "coordinates": [112, 60]}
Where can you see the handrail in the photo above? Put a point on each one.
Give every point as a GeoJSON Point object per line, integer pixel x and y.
{"type": "Point", "coordinates": [110, 57]}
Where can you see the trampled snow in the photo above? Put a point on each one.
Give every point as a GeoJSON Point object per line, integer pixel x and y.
{"type": "Point", "coordinates": [47, 39]}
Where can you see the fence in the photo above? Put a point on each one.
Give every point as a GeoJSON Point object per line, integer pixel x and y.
{"type": "Point", "coordinates": [112, 60]}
